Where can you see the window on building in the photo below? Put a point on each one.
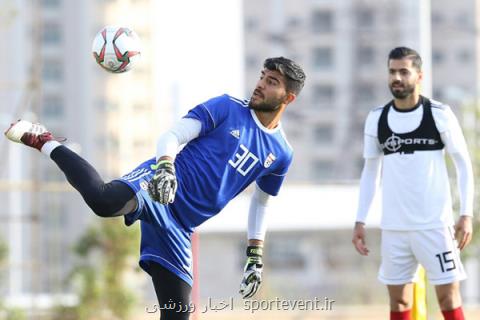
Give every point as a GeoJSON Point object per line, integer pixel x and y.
{"type": "Point", "coordinates": [358, 124]}
{"type": "Point", "coordinates": [438, 94]}
{"type": "Point", "coordinates": [252, 62]}
{"type": "Point", "coordinates": [294, 115]}
{"type": "Point", "coordinates": [52, 70]}
{"type": "Point", "coordinates": [251, 24]}
{"type": "Point", "coordinates": [51, 3]}
{"type": "Point", "coordinates": [463, 20]}
{"type": "Point", "coordinates": [365, 18]}
{"type": "Point", "coordinates": [438, 56]}
{"type": "Point", "coordinates": [437, 18]}
{"type": "Point", "coordinates": [365, 92]}
{"type": "Point", "coordinates": [322, 21]}
{"type": "Point", "coordinates": [365, 55]}
{"type": "Point", "coordinates": [323, 94]}
{"type": "Point", "coordinates": [294, 22]}
{"type": "Point", "coordinates": [51, 33]}
{"type": "Point", "coordinates": [294, 133]}
{"type": "Point", "coordinates": [323, 133]}
{"type": "Point", "coordinates": [464, 56]}
{"type": "Point", "coordinates": [323, 58]}
{"type": "Point", "coordinates": [53, 107]}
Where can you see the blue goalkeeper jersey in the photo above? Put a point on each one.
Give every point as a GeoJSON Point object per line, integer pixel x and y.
{"type": "Point", "coordinates": [233, 150]}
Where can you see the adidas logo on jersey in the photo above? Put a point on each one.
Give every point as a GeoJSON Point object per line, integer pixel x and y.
{"type": "Point", "coordinates": [235, 133]}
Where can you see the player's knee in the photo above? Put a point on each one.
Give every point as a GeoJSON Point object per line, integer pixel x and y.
{"type": "Point", "coordinates": [100, 208]}
{"type": "Point", "coordinates": [449, 300]}
{"type": "Point", "coordinates": [100, 205]}
{"type": "Point", "coordinates": [446, 302]}
{"type": "Point", "coordinates": [448, 296]}
{"type": "Point", "coordinates": [107, 199]}
{"type": "Point", "coordinates": [400, 304]}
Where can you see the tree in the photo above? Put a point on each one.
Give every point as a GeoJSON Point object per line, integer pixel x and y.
{"type": "Point", "coordinates": [104, 251]}
{"type": "Point", "coordinates": [5, 312]}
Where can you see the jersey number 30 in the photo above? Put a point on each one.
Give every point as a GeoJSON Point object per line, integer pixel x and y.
{"type": "Point", "coordinates": [244, 161]}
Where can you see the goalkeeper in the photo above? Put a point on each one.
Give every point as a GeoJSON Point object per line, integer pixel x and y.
{"type": "Point", "coordinates": [229, 144]}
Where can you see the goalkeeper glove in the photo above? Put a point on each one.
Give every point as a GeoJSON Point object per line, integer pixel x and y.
{"type": "Point", "coordinates": [252, 276]}
{"type": "Point", "coordinates": [163, 185]}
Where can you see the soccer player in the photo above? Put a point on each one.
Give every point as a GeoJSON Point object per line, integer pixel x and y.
{"type": "Point", "coordinates": [230, 143]}
{"type": "Point", "coordinates": [409, 135]}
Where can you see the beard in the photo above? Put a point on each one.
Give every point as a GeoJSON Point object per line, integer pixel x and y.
{"type": "Point", "coordinates": [401, 92]}
{"type": "Point", "coordinates": [266, 105]}
{"type": "Point", "coordinates": [263, 107]}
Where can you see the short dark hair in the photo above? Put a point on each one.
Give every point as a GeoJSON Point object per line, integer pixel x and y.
{"type": "Point", "coordinates": [404, 52]}
{"type": "Point", "coordinates": [293, 73]}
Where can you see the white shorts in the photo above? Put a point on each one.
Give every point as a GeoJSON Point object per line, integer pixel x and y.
{"type": "Point", "coordinates": [435, 249]}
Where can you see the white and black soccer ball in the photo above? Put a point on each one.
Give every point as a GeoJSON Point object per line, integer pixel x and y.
{"type": "Point", "coordinates": [116, 49]}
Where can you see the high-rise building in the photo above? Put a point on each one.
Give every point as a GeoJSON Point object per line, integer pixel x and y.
{"type": "Point", "coordinates": [112, 120]}
{"type": "Point", "coordinates": [343, 46]}
{"type": "Point", "coordinates": [456, 56]}
{"type": "Point", "coordinates": [49, 75]}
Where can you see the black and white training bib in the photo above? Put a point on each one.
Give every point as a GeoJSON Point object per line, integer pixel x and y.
{"type": "Point", "coordinates": [424, 137]}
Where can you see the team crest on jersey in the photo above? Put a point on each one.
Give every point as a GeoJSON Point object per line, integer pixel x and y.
{"type": "Point", "coordinates": [144, 185]}
{"type": "Point", "coordinates": [270, 158]}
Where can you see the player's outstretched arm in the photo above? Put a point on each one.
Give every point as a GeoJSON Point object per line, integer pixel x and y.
{"type": "Point", "coordinates": [252, 277]}
{"type": "Point", "coordinates": [163, 186]}
{"type": "Point", "coordinates": [182, 132]}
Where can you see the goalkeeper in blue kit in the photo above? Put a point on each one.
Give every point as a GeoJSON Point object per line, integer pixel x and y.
{"type": "Point", "coordinates": [229, 143]}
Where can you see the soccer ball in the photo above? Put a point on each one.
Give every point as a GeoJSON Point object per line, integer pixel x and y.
{"type": "Point", "coordinates": [116, 49]}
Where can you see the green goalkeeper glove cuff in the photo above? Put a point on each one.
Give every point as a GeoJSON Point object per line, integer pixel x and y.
{"type": "Point", "coordinates": [252, 276]}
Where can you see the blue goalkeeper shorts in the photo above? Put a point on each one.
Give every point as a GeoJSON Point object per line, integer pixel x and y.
{"type": "Point", "coordinates": [163, 239]}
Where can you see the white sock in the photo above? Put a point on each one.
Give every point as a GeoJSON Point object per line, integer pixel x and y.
{"type": "Point", "coordinates": [48, 147]}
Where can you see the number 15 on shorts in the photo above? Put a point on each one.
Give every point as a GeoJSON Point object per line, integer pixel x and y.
{"type": "Point", "coordinates": [446, 261]}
